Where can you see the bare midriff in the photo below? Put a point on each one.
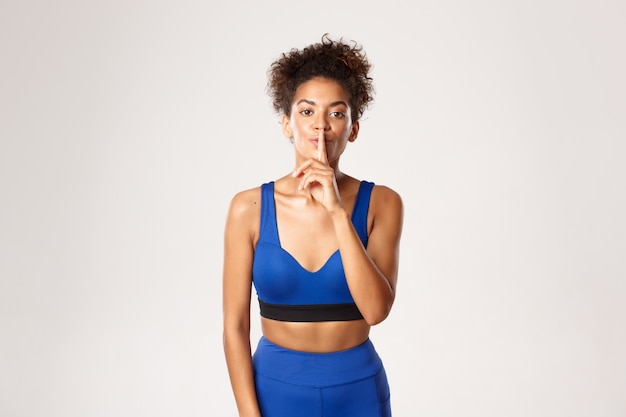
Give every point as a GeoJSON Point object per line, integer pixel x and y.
{"type": "Point", "coordinates": [316, 337]}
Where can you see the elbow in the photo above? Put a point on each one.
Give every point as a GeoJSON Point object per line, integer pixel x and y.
{"type": "Point", "coordinates": [374, 319]}
{"type": "Point", "coordinates": [374, 316]}
{"type": "Point", "coordinates": [378, 308]}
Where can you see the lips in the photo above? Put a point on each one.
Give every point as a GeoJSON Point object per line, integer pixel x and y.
{"type": "Point", "coordinates": [314, 141]}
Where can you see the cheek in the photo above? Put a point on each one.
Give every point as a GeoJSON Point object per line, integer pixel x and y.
{"type": "Point", "coordinates": [296, 129]}
{"type": "Point", "coordinates": [347, 132]}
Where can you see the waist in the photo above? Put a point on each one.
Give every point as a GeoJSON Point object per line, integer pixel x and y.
{"type": "Point", "coordinates": [319, 337]}
{"type": "Point", "coordinates": [323, 369]}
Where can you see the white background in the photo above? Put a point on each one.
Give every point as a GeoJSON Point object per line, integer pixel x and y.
{"type": "Point", "coordinates": [127, 126]}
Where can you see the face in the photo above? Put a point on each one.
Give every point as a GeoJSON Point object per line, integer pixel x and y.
{"type": "Point", "coordinates": [320, 104]}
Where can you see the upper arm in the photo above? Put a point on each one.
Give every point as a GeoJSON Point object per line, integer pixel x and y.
{"type": "Point", "coordinates": [240, 235]}
{"type": "Point", "coordinates": [386, 215]}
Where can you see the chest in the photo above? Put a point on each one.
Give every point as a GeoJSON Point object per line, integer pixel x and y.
{"type": "Point", "coordinates": [280, 279]}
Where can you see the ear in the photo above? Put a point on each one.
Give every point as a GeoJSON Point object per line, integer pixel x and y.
{"type": "Point", "coordinates": [286, 127]}
{"type": "Point", "coordinates": [355, 131]}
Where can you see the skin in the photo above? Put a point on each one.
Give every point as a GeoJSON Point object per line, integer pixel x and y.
{"type": "Point", "coordinates": [313, 207]}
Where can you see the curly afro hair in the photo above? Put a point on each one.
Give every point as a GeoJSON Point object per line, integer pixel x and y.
{"type": "Point", "coordinates": [343, 62]}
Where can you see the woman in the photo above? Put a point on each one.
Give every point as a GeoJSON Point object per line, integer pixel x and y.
{"type": "Point", "coordinates": [320, 248]}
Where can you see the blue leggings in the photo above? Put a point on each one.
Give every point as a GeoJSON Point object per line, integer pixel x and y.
{"type": "Point", "coordinates": [349, 383]}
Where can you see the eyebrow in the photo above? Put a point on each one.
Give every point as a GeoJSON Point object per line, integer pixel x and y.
{"type": "Point", "coordinates": [333, 104]}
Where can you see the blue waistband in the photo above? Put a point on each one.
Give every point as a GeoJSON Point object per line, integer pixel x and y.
{"type": "Point", "coordinates": [316, 369]}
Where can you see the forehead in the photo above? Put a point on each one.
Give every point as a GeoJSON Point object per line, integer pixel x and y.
{"type": "Point", "coordinates": [321, 91]}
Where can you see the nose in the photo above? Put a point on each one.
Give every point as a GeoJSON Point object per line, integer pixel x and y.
{"type": "Point", "coordinates": [321, 122]}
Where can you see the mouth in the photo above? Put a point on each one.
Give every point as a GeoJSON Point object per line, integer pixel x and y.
{"type": "Point", "coordinates": [315, 141]}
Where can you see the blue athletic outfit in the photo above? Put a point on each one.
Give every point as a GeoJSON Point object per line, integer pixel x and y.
{"type": "Point", "coordinates": [348, 383]}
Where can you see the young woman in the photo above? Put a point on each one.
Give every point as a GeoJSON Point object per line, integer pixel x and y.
{"type": "Point", "coordinates": [321, 250]}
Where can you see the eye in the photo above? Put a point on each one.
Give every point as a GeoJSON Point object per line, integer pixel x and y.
{"type": "Point", "coordinates": [338, 114]}
{"type": "Point", "coordinates": [306, 112]}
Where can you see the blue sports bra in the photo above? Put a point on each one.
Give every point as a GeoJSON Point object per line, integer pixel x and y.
{"type": "Point", "coordinates": [288, 292]}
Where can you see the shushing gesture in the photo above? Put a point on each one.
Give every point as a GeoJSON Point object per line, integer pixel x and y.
{"type": "Point", "coordinates": [318, 177]}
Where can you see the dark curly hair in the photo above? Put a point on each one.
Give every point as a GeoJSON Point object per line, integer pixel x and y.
{"type": "Point", "coordinates": [343, 62]}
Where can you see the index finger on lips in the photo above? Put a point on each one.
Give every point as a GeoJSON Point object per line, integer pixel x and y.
{"type": "Point", "coordinates": [321, 148]}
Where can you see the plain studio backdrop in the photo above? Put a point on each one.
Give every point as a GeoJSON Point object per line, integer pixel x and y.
{"type": "Point", "coordinates": [127, 126]}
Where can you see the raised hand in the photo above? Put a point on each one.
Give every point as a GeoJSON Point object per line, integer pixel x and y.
{"type": "Point", "coordinates": [318, 177]}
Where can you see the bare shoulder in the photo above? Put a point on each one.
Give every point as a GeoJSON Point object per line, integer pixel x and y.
{"type": "Point", "coordinates": [246, 202]}
{"type": "Point", "coordinates": [385, 199]}
{"type": "Point", "coordinates": [244, 215]}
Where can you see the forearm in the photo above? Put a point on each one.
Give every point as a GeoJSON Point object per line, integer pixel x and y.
{"type": "Point", "coordinates": [239, 362]}
{"type": "Point", "coordinates": [370, 289]}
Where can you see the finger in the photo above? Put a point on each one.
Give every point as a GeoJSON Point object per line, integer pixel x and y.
{"type": "Point", "coordinates": [300, 169]}
{"type": "Point", "coordinates": [321, 148]}
{"type": "Point", "coordinates": [319, 176]}
{"type": "Point", "coordinates": [306, 180]}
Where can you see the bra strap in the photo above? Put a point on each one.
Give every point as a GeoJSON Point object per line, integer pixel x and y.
{"type": "Point", "coordinates": [361, 208]}
{"type": "Point", "coordinates": [268, 229]}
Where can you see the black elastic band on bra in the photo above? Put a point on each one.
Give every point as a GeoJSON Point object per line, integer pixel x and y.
{"type": "Point", "coordinates": [310, 312]}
